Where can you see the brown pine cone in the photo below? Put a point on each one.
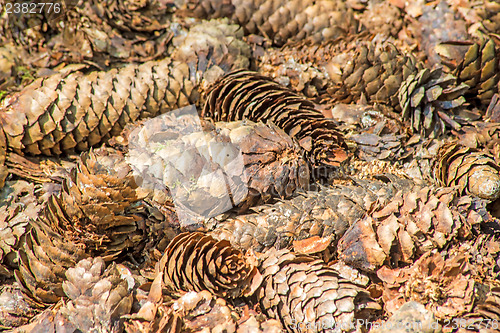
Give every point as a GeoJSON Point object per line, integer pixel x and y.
{"type": "Point", "coordinates": [44, 258]}
{"type": "Point", "coordinates": [475, 172]}
{"type": "Point", "coordinates": [247, 95]}
{"type": "Point", "coordinates": [251, 163]}
{"type": "Point", "coordinates": [322, 216]}
{"type": "Point", "coordinates": [98, 212]}
{"type": "Point", "coordinates": [98, 297]}
{"type": "Point", "coordinates": [195, 261]}
{"type": "Point", "coordinates": [406, 226]}
{"type": "Point", "coordinates": [444, 284]}
{"type": "Point", "coordinates": [74, 111]}
{"type": "Point", "coordinates": [281, 21]}
{"type": "Point", "coordinates": [18, 204]}
{"type": "Point", "coordinates": [475, 64]}
{"type": "Point", "coordinates": [302, 292]}
{"type": "Point", "coordinates": [489, 12]}
{"type": "Point", "coordinates": [98, 205]}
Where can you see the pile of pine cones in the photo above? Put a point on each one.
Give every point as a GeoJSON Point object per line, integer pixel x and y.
{"type": "Point", "coordinates": [251, 166]}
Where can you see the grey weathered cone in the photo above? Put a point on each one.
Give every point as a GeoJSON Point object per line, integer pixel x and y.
{"type": "Point", "coordinates": [251, 163]}
{"type": "Point", "coordinates": [280, 21]}
{"type": "Point", "coordinates": [74, 111]}
{"type": "Point", "coordinates": [319, 218]}
{"type": "Point", "coordinates": [195, 261]}
{"type": "Point", "coordinates": [248, 95]}
{"type": "Point", "coordinates": [300, 290]}
{"type": "Point", "coordinates": [97, 298]}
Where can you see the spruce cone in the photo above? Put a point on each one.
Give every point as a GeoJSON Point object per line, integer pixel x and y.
{"type": "Point", "coordinates": [44, 258]}
{"type": "Point", "coordinates": [443, 282]}
{"type": "Point", "coordinates": [74, 111]}
{"type": "Point", "coordinates": [324, 215]}
{"type": "Point", "coordinates": [281, 21]}
{"type": "Point", "coordinates": [194, 261]}
{"type": "Point", "coordinates": [99, 205]}
{"type": "Point", "coordinates": [489, 12]}
{"type": "Point", "coordinates": [97, 300]}
{"type": "Point", "coordinates": [18, 204]}
{"type": "Point", "coordinates": [475, 172]}
{"type": "Point", "coordinates": [247, 95]}
{"type": "Point", "coordinates": [406, 226]}
{"type": "Point", "coordinates": [98, 212]}
{"type": "Point", "coordinates": [383, 74]}
{"type": "Point", "coordinates": [300, 290]}
{"type": "Point", "coordinates": [210, 168]}
{"type": "Point", "coordinates": [475, 64]}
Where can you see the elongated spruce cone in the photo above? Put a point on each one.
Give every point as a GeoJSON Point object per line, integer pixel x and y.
{"type": "Point", "coordinates": [247, 95]}
{"type": "Point", "coordinates": [195, 261]}
{"type": "Point", "coordinates": [324, 215]}
{"type": "Point", "coordinates": [74, 111]}
{"type": "Point", "coordinates": [475, 172]}
{"type": "Point", "coordinates": [98, 297]}
{"type": "Point", "coordinates": [281, 21]}
{"type": "Point", "coordinates": [300, 290]}
{"type": "Point", "coordinates": [211, 168]}
{"type": "Point", "coordinates": [475, 64]}
{"type": "Point", "coordinates": [402, 229]}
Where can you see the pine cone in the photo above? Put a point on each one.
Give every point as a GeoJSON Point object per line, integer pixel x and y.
{"type": "Point", "coordinates": [383, 74]}
{"type": "Point", "coordinates": [475, 172]}
{"type": "Point", "coordinates": [98, 212]}
{"type": "Point", "coordinates": [250, 163]}
{"type": "Point", "coordinates": [97, 300]}
{"type": "Point", "coordinates": [194, 261]}
{"type": "Point", "coordinates": [324, 215]}
{"type": "Point", "coordinates": [406, 226]}
{"type": "Point", "coordinates": [16, 210]}
{"type": "Point", "coordinates": [44, 258]}
{"type": "Point", "coordinates": [14, 309]}
{"type": "Point", "coordinates": [475, 64]}
{"type": "Point", "coordinates": [247, 95]}
{"type": "Point", "coordinates": [442, 282]}
{"type": "Point", "coordinates": [281, 21]}
{"type": "Point", "coordinates": [74, 111]}
{"type": "Point", "coordinates": [300, 290]}
{"type": "Point", "coordinates": [489, 12]}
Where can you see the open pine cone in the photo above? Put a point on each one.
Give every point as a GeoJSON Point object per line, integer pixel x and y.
{"type": "Point", "coordinates": [247, 95]}
{"type": "Point", "coordinates": [195, 261]}
{"type": "Point", "coordinates": [300, 290]}
{"type": "Point", "coordinates": [98, 297]}
{"type": "Point", "coordinates": [475, 64]}
{"type": "Point", "coordinates": [406, 226]}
